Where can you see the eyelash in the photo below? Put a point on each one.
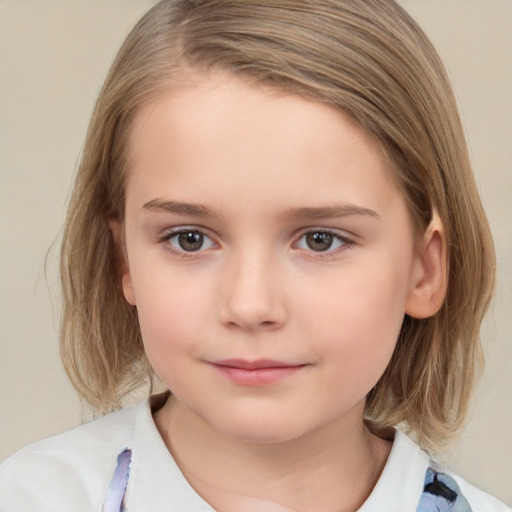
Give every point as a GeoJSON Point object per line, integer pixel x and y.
{"type": "Point", "coordinates": [346, 242]}
{"type": "Point", "coordinates": [166, 241]}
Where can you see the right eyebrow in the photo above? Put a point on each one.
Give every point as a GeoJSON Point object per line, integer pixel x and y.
{"type": "Point", "coordinates": [177, 207]}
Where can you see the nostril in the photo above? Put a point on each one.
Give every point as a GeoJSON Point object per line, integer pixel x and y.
{"type": "Point", "coordinates": [253, 326]}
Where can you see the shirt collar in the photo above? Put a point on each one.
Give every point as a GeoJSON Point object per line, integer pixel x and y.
{"type": "Point", "coordinates": [400, 485]}
{"type": "Point", "coordinates": [155, 477]}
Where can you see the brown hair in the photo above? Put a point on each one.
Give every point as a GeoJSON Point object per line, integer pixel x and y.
{"type": "Point", "coordinates": [368, 59]}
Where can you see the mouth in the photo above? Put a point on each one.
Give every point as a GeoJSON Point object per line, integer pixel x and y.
{"type": "Point", "coordinates": [261, 372]}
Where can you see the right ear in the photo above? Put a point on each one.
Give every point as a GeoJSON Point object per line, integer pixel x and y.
{"type": "Point", "coordinates": [124, 269]}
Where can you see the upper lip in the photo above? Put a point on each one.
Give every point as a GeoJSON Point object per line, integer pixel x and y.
{"type": "Point", "coordinates": [254, 365]}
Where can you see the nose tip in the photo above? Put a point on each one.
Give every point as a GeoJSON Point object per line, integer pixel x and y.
{"type": "Point", "coordinates": [252, 300]}
{"type": "Point", "coordinates": [253, 311]}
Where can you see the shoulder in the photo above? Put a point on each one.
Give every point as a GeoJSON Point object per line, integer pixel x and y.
{"type": "Point", "coordinates": [449, 491]}
{"type": "Point", "coordinates": [79, 461]}
{"type": "Point", "coordinates": [478, 499]}
{"type": "Point", "coordinates": [412, 482]}
{"type": "Point", "coordinates": [446, 491]}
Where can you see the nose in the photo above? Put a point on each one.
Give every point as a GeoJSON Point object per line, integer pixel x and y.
{"type": "Point", "coordinates": [252, 294]}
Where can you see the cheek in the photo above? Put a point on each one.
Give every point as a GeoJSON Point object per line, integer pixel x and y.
{"type": "Point", "coordinates": [169, 334]}
{"type": "Point", "coordinates": [359, 324]}
{"type": "Point", "coordinates": [168, 316]}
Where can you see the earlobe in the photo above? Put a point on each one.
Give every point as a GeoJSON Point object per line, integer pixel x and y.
{"type": "Point", "coordinates": [124, 270]}
{"type": "Point", "coordinates": [429, 275]}
{"type": "Point", "coordinates": [126, 281]}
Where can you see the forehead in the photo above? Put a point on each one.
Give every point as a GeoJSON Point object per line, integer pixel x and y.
{"type": "Point", "coordinates": [198, 97]}
{"type": "Point", "coordinates": [221, 131]}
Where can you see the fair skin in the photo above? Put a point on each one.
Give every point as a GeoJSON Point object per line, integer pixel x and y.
{"type": "Point", "coordinates": [263, 230]}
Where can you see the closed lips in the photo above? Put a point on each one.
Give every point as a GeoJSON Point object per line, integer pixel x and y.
{"type": "Point", "coordinates": [255, 365]}
{"type": "Point", "coordinates": [262, 372]}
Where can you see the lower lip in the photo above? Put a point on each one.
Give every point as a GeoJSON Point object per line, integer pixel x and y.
{"type": "Point", "coordinates": [257, 376]}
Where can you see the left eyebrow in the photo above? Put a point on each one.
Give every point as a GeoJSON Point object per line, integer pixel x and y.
{"type": "Point", "coordinates": [324, 212]}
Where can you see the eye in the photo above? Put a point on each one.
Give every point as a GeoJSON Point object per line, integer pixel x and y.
{"type": "Point", "coordinates": [189, 240]}
{"type": "Point", "coordinates": [321, 241]}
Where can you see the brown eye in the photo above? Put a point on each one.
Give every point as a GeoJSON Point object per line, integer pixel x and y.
{"type": "Point", "coordinates": [187, 240]}
{"type": "Point", "coordinates": [190, 241]}
{"type": "Point", "coordinates": [319, 241]}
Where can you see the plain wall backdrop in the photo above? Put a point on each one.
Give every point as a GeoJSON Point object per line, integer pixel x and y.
{"type": "Point", "coordinates": [53, 58]}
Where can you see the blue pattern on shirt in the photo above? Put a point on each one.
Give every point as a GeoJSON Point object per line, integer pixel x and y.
{"type": "Point", "coordinates": [441, 494]}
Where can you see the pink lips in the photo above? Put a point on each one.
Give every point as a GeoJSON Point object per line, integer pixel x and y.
{"type": "Point", "coordinates": [256, 373]}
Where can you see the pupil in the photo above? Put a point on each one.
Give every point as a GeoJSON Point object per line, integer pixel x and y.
{"type": "Point", "coordinates": [191, 241]}
{"type": "Point", "coordinates": [319, 241]}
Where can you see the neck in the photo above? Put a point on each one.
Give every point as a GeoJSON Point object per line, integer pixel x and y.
{"type": "Point", "coordinates": [333, 468]}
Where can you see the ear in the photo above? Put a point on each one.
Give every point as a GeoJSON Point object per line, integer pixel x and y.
{"type": "Point", "coordinates": [124, 269]}
{"type": "Point", "coordinates": [429, 276]}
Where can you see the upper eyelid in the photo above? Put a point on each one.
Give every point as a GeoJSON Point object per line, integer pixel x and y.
{"type": "Point", "coordinates": [338, 233]}
{"type": "Point", "coordinates": [301, 231]}
{"type": "Point", "coordinates": [170, 231]}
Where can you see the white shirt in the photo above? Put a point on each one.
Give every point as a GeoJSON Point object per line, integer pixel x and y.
{"type": "Point", "coordinates": [71, 472]}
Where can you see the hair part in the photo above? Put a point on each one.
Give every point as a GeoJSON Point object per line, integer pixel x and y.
{"type": "Point", "coordinates": [367, 59]}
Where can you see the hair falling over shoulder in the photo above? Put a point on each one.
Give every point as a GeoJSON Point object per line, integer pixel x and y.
{"type": "Point", "coordinates": [368, 59]}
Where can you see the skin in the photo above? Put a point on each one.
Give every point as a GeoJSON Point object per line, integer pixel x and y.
{"type": "Point", "coordinates": [268, 169]}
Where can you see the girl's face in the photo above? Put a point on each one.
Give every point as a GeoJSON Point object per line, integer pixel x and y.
{"type": "Point", "coordinates": [269, 255]}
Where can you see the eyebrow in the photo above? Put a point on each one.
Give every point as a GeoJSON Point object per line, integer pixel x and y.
{"type": "Point", "coordinates": [302, 213]}
{"type": "Point", "coordinates": [324, 212]}
{"type": "Point", "coordinates": [190, 209]}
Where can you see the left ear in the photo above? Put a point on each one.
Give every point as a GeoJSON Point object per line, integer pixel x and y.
{"type": "Point", "coordinates": [429, 275]}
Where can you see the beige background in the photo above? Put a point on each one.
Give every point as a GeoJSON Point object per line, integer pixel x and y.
{"type": "Point", "coordinates": [53, 57]}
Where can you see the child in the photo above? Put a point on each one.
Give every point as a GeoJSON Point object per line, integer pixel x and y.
{"type": "Point", "coordinates": [274, 216]}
